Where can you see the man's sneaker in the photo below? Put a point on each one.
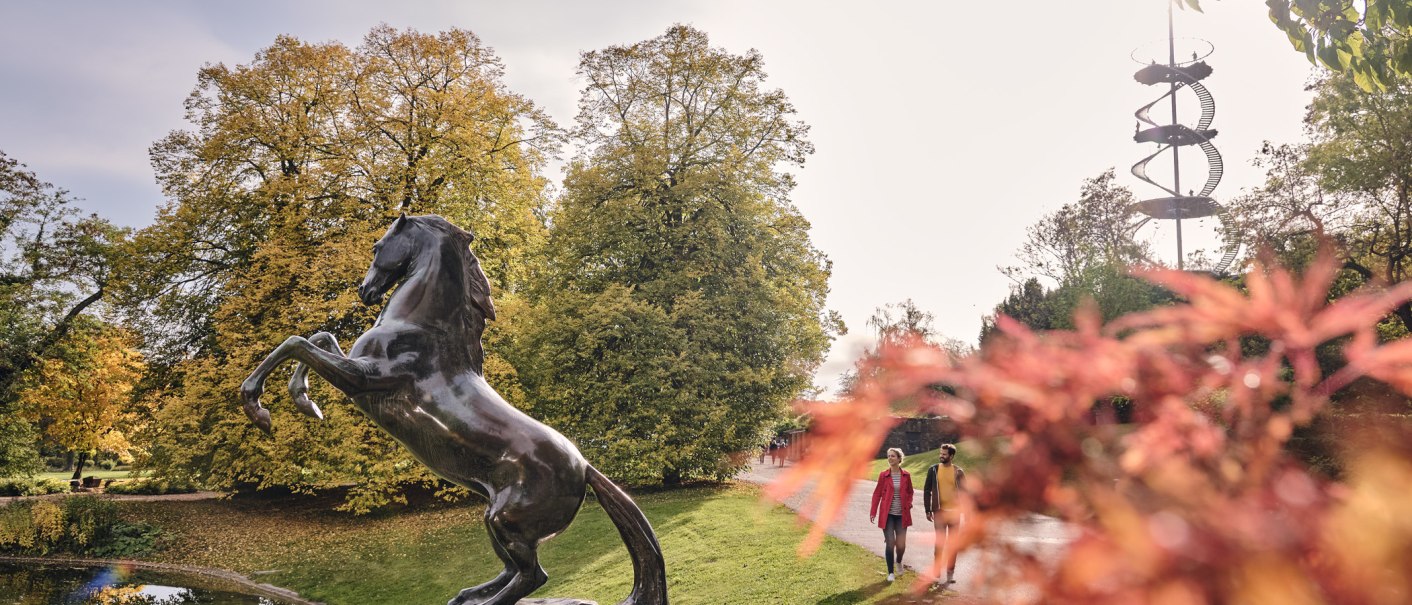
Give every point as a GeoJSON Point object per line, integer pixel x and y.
{"type": "Point", "coordinates": [890, 577]}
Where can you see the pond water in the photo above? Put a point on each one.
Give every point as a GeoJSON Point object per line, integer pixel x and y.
{"type": "Point", "coordinates": [58, 584]}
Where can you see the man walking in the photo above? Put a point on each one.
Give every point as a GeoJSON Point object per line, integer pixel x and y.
{"type": "Point", "coordinates": [941, 499]}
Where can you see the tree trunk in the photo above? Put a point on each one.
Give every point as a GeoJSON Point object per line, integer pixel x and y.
{"type": "Point", "coordinates": [1404, 313]}
{"type": "Point", "coordinates": [78, 466]}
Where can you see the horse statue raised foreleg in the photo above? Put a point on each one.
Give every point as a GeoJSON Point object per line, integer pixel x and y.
{"type": "Point", "coordinates": [299, 382]}
{"type": "Point", "coordinates": [343, 373]}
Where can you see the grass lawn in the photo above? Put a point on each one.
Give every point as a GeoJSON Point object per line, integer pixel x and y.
{"type": "Point", "coordinates": [967, 456]}
{"type": "Point", "coordinates": [722, 545]}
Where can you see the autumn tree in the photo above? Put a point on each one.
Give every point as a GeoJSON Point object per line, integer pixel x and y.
{"type": "Point", "coordinates": [682, 306]}
{"type": "Point", "coordinates": [80, 396]}
{"type": "Point", "coordinates": [55, 267]}
{"type": "Point", "coordinates": [294, 165]}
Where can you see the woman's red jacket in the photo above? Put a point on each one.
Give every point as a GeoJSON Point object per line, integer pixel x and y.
{"type": "Point", "coordinates": [882, 494]}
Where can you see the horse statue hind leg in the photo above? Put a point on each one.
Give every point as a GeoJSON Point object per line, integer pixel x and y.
{"type": "Point", "coordinates": [417, 375]}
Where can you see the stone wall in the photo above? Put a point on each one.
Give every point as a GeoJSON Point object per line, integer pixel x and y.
{"type": "Point", "coordinates": [914, 435]}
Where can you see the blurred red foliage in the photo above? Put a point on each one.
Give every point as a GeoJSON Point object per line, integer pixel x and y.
{"type": "Point", "coordinates": [1196, 500]}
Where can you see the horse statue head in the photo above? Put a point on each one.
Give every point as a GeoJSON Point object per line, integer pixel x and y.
{"type": "Point", "coordinates": [435, 254]}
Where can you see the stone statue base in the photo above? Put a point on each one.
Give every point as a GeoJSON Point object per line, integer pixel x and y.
{"type": "Point", "coordinates": [556, 601]}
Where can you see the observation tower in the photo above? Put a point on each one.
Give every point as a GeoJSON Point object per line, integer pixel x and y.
{"type": "Point", "coordinates": [1181, 77]}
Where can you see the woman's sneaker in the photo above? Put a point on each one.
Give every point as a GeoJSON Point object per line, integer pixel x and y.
{"type": "Point", "coordinates": [890, 577]}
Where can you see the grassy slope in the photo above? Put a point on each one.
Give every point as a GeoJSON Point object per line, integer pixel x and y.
{"type": "Point", "coordinates": [722, 545]}
{"type": "Point", "coordinates": [967, 455]}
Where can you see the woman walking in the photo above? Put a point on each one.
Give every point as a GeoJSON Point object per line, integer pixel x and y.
{"type": "Point", "coordinates": [893, 499]}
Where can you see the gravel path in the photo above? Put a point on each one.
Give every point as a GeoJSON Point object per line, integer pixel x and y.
{"type": "Point", "coordinates": [1040, 532]}
{"type": "Point", "coordinates": [124, 497]}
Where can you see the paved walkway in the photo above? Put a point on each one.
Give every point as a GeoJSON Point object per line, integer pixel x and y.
{"type": "Point", "coordinates": [1039, 532]}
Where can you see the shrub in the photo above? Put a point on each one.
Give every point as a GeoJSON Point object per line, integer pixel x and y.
{"type": "Point", "coordinates": [126, 487]}
{"type": "Point", "coordinates": [151, 487]}
{"type": "Point", "coordinates": [30, 526]}
{"type": "Point", "coordinates": [47, 485]}
{"type": "Point", "coordinates": [107, 465]}
{"type": "Point", "coordinates": [73, 525]}
{"type": "Point", "coordinates": [88, 521]}
{"type": "Point", "coordinates": [128, 540]}
{"type": "Point", "coordinates": [16, 486]}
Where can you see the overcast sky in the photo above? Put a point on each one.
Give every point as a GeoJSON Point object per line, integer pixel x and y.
{"type": "Point", "coordinates": [943, 128]}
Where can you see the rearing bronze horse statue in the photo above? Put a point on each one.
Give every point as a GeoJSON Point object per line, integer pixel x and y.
{"type": "Point", "coordinates": [418, 374]}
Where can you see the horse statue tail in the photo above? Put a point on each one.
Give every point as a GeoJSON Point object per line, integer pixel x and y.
{"type": "Point", "coordinates": [649, 573]}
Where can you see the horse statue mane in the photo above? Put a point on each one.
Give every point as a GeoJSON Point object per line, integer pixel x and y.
{"type": "Point", "coordinates": [474, 284]}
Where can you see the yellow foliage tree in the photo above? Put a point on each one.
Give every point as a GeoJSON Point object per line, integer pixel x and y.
{"type": "Point", "coordinates": [295, 164]}
{"type": "Point", "coordinates": [81, 397]}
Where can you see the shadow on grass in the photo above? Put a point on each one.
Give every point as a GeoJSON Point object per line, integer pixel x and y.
{"type": "Point", "coordinates": [594, 535]}
{"type": "Point", "coordinates": [857, 595]}
{"type": "Point", "coordinates": [865, 594]}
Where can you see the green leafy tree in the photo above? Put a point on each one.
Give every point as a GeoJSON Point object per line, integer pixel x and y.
{"type": "Point", "coordinates": [1028, 303]}
{"type": "Point", "coordinates": [1110, 287]}
{"type": "Point", "coordinates": [899, 324]}
{"type": "Point", "coordinates": [1368, 40]}
{"type": "Point", "coordinates": [1351, 181]}
{"type": "Point", "coordinates": [682, 306]}
{"type": "Point", "coordinates": [55, 267]}
{"type": "Point", "coordinates": [294, 166]}
{"type": "Point", "coordinates": [1086, 248]}
{"type": "Point", "coordinates": [1096, 229]}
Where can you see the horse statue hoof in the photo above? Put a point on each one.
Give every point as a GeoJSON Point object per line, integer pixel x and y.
{"type": "Point", "coordinates": [261, 418]}
{"type": "Point", "coordinates": [307, 406]}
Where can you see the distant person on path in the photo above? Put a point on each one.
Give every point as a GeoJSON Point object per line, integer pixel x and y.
{"type": "Point", "coordinates": [941, 499]}
{"type": "Point", "coordinates": [893, 495]}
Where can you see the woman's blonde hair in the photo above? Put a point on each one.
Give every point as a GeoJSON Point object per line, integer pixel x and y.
{"type": "Point", "coordinates": [898, 451]}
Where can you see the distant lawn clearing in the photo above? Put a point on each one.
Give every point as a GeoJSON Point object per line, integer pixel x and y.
{"type": "Point", "coordinates": [722, 545]}
{"type": "Point", "coordinates": [968, 455]}
{"type": "Point", "coordinates": [100, 473]}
